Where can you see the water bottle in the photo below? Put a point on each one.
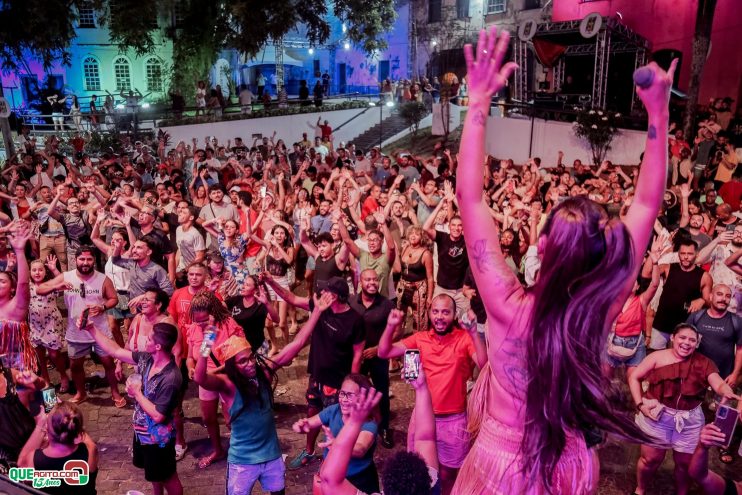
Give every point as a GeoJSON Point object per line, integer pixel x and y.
{"type": "Point", "coordinates": [209, 339]}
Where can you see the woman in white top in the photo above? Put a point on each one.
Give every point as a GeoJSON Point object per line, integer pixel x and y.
{"type": "Point", "coordinates": [200, 98]}
{"type": "Point", "coordinates": [76, 113]}
{"type": "Point", "coordinates": [118, 275]}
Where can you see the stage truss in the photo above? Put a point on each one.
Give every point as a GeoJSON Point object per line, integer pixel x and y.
{"type": "Point", "coordinates": [613, 37]}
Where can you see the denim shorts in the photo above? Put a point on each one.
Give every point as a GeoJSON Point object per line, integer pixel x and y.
{"type": "Point", "coordinates": [77, 350]}
{"type": "Point", "coordinates": [241, 478]}
{"type": "Point", "coordinates": [629, 343]}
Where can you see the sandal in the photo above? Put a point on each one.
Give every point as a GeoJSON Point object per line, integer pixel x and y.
{"type": "Point", "coordinates": [210, 459]}
{"type": "Point", "coordinates": [120, 402]}
{"type": "Point", "coordinates": [726, 456]}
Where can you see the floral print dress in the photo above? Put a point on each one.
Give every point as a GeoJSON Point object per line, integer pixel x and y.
{"type": "Point", "coordinates": [233, 256]}
{"type": "Point", "coordinates": [47, 325]}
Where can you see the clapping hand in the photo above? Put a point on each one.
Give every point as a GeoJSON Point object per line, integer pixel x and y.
{"type": "Point", "coordinates": [486, 74]}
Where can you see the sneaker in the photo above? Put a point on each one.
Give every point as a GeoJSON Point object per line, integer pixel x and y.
{"type": "Point", "coordinates": [180, 451]}
{"type": "Point", "coordinates": [301, 460]}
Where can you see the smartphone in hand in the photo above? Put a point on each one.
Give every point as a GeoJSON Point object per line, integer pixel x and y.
{"type": "Point", "coordinates": [411, 368]}
{"type": "Point", "coordinates": [726, 421]}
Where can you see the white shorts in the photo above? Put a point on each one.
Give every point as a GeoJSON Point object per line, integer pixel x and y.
{"type": "Point", "coordinates": [665, 429]}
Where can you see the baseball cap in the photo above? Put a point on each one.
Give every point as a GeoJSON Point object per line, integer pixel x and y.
{"type": "Point", "coordinates": [235, 188]}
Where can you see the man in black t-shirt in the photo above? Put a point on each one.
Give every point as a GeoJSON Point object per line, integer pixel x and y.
{"type": "Point", "coordinates": [252, 317]}
{"type": "Point", "coordinates": [335, 351]}
{"type": "Point", "coordinates": [721, 331]}
{"type": "Point", "coordinates": [374, 309]}
{"type": "Point", "coordinates": [452, 258]}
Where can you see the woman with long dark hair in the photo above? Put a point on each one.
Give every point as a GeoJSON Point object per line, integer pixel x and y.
{"type": "Point", "coordinates": [536, 405]}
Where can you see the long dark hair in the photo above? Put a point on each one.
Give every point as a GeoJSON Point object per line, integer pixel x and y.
{"type": "Point", "coordinates": [251, 390]}
{"type": "Point", "coordinates": [586, 263]}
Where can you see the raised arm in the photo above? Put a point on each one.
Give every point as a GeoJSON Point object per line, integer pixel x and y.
{"type": "Point", "coordinates": [335, 466]}
{"type": "Point", "coordinates": [289, 352]}
{"type": "Point", "coordinates": [650, 186]}
{"type": "Point", "coordinates": [387, 347]}
{"type": "Point", "coordinates": [20, 233]}
{"type": "Point", "coordinates": [487, 75]}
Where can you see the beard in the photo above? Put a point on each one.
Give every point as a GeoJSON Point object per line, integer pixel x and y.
{"type": "Point", "coordinates": [85, 269]}
{"type": "Point", "coordinates": [447, 330]}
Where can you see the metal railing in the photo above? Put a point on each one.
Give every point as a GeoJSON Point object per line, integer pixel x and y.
{"type": "Point", "coordinates": [146, 117]}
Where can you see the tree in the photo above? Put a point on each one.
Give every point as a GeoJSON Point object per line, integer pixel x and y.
{"type": "Point", "coordinates": [701, 44]}
{"type": "Point", "coordinates": [209, 26]}
{"type": "Point", "coordinates": [34, 30]}
{"type": "Point", "coordinates": [598, 128]}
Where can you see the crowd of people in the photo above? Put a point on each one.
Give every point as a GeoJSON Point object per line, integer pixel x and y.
{"type": "Point", "coordinates": [581, 310]}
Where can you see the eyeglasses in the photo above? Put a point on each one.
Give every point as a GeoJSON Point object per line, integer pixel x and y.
{"type": "Point", "coordinates": [346, 395]}
{"type": "Point", "coordinates": [82, 290]}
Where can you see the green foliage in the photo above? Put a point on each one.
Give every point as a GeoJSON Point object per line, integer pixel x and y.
{"type": "Point", "coordinates": [413, 112]}
{"type": "Point", "coordinates": [36, 30]}
{"type": "Point", "coordinates": [272, 111]}
{"type": "Point", "coordinates": [598, 128]}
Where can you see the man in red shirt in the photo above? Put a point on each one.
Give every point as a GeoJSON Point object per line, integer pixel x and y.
{"type": "Point", "coordinates": [731, 192]}
{"type": "Point", "coordinates": [326, 130]}
{"type": "Point", "coordinates": [448, 354]}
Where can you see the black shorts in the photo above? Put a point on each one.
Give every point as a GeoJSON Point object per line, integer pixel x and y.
{"type": "Point", "coordinates": [158, 462]}
{"type": "Point", "coordinates": [321, 396]}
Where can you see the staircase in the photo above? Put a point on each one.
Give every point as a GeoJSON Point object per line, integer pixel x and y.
{"type": "Point", "coordinates": [390, 126]}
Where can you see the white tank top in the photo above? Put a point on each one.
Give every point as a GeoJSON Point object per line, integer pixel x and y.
{"type": "Point", "coordinates": [76, 304]}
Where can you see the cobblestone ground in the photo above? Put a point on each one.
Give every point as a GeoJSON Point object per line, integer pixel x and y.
{"type": "Point", "coordinates": [111, 428]}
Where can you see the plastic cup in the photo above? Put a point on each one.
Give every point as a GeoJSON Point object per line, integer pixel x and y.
{"type": "Point", "coordinates": [134, 379]}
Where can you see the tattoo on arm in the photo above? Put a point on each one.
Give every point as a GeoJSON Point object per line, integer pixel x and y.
{"type": "Point", "coordinates": [479, 118]}
{"type": "Point", "coordinates": [652, 132]}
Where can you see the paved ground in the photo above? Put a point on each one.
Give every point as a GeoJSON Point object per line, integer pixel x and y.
{"type": "Point", "coordinates": [111, 428]}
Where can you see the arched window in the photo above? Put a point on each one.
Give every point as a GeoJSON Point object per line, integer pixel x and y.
{"type": "Point", "coordinates": [122, 74]}
{"type": "Point", "coordinates": [91, 74]}
{"type": "Point", "coordinates": [153, 69]}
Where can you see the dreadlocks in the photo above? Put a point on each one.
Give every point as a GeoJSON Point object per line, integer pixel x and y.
{"type": "Point", "coordinates": [251, 388]}
{"type": "Point", "coordinates": [208, 302]}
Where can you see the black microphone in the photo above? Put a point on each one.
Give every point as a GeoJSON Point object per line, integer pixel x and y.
{"type": "Point", "coordinates": [643, 77]}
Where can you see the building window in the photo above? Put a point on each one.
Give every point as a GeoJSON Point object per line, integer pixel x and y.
{"type": "Point", "coordinates": [496, 6]}
{"type": "Point", "coordinates": [85, 17]}
{"type": "Point", "coordinates": [462, 9]}
{"type": "Point", "coordinates": [434, 10]}
{"type": "Point", "coordinates": [91, 73]}
{"type": "Point", "coordinates": [532, 4]}
{"type": "Point", "coordinates": [154, 75]}
{"type": "Point", "coordinates": [122, 73]}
